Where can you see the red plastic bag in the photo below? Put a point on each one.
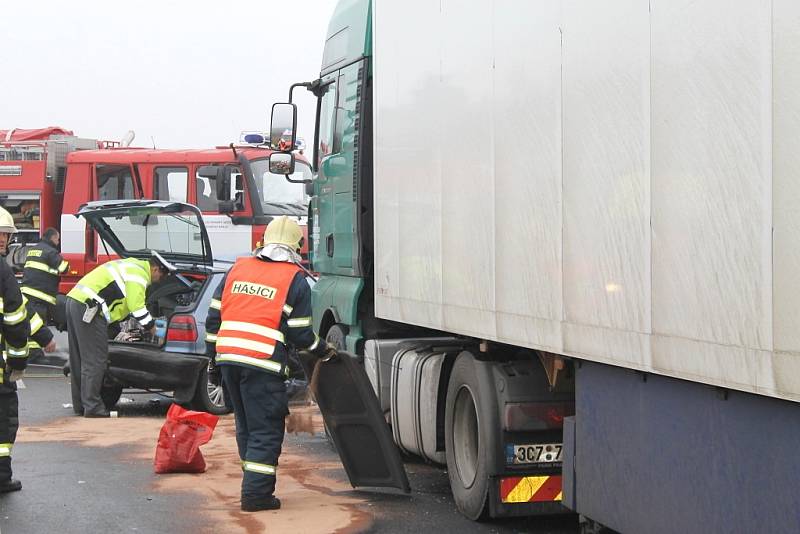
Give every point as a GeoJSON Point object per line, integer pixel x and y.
{"type": "Point", "coordinates": [178, 449]}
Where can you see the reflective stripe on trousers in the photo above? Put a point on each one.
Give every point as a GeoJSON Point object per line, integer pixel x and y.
{"type": "Point", "coordinates": [264, 469]}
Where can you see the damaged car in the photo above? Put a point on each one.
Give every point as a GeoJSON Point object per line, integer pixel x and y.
{"type": "Point", "coordinates": [174, 360]}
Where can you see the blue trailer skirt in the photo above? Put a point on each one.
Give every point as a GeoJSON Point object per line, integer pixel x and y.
{"type": "Point", "coordinates": [654, 454]}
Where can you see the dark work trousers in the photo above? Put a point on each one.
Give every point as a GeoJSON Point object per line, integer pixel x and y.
{"type": "Point", "coordinates": [88, 358]}
{"type": "Point", "coordinates": [260, 407]}
{"type": "Point", "coordinates": [9, 423]}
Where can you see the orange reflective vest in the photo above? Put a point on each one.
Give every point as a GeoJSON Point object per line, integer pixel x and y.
{"type": "Point", "coordinates": [252, 303]}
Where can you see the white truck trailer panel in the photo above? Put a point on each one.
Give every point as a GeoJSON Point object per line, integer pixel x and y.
{"type": "Point", "coordinates": [617, 181]}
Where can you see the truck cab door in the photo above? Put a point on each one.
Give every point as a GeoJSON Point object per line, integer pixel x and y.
{"type": "Point", "coordinates": [335, 209]}
{"type": "Point", "coordinates": [356, 422]}
{"type": "Point", "coordinates": [322, 203]}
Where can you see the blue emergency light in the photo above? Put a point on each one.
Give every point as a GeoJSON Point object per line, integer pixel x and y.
{"type": "Point", "coordinates": [254, 139]}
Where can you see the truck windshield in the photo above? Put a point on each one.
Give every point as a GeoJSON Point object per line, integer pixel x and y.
{"type": "Point", "coordinates": [278, 196]}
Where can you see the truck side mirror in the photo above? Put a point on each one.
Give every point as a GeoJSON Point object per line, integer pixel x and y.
{"type": "Point", "coordinates": [281, 163]}
{"type": "Point", "coordinates": [283, 126]}
{"type": "Point", "coordinates": [226, 207]}
{"type": "Point", "coordinates": [220, 177]}
{"type": "Point", "coordinates": [223, 183]}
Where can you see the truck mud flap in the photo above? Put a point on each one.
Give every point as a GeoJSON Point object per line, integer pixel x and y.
{"type": "Point", "coordinates": [356, 423]}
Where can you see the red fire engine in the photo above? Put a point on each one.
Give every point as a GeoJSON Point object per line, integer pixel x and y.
{"type": "Point", "coordinates": [32, 176]}
{"type": "Point", "coordinates": [47, 174]}
{"type": "Point", "coordinates": [233, 188]}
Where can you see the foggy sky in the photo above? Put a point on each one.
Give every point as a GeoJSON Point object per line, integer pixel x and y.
{"type": "Point", "coordinates": [180, 74]}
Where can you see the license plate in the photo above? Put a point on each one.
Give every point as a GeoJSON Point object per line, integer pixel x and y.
{"type": "Point", "coordinates": [538, 453]}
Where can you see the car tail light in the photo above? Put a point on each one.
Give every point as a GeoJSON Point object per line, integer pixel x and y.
{"type": "Point", "coordinates": [521, 416]}
{"type": "Point", "coordinates": [182, 328]}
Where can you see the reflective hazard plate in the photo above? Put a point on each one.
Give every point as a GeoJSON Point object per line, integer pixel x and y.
{"type": "Point", "coordinates": [536, 453]}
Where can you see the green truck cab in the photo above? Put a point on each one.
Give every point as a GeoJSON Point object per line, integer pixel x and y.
{"type": "Point", "coordinates": [340, 228]}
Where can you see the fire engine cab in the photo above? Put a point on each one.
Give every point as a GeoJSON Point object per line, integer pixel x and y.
{"type": "Point", "coordinates": [232, 186]}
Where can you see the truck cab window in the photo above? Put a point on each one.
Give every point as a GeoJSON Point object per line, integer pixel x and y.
{"type": "Point", "coordinates": [327, 122]}
{"type": "Point", "coordinates": [171, 183]}
{"type": "Point", "coordinates": [114, 182]}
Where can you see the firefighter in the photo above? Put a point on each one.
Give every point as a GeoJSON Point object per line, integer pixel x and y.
{"type": "Point", "coordinates": [107, 295]}
{"type": "Point", "coordinates": [262, 306]}
{"type": "Point", "coordinates": [43, 268]}
{"type": "Point", "coordinates": [14, 331]}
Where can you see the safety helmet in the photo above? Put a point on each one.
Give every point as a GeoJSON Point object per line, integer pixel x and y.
{"type": "Point", "coordinates": [283, 231]}
{"type": "Point", "coordinates": [6, 222]}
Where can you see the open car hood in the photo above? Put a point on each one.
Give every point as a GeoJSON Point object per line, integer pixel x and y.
{"type": "Point", "coordinates": [134, 228]}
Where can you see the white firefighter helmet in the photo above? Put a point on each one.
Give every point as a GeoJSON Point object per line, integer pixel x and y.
{"type": "Point", "coordinates": [283, 231]}
{"type": "Point", "coordinates": [6, 222]}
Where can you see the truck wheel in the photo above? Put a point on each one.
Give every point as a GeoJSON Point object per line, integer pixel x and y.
{"type": "Point", "coordinates": [210, 395]}
{"type": "Point", "coordinates": [337, 336]}
{"type": "Point", "coordinates": [110, 396]}
{"type": "Point", "coordinates": [466, 457]}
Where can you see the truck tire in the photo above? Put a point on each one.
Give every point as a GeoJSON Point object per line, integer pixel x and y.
{"type": "Point", "coordinates": [210, 394]}
{"type": "Point", "coordinates": [110, 395]}
{"type": "Point", "coordinates": [464, 441]}
{"type": "Point", "coordinates": [337, 336]}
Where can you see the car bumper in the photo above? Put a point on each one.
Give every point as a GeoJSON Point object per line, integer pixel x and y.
{"type": "Point", "coordinates": [147, 367]}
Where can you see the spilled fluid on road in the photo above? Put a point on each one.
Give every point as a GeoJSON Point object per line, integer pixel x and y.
{"type": "Point", "coordinates": [310, 501]}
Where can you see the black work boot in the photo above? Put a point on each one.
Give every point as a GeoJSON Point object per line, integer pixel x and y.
{"type": "Point", "coordinates": [257, 505]}
{"type": "Point", "coordinates": [11, 484]}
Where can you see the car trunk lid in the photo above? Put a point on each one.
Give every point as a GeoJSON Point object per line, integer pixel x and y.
{"type": "Point", "coordinates": [135, 228]}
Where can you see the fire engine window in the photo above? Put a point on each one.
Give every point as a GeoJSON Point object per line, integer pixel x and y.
{"type": "Point", "coordinates": [206, 185]}
{"type": "Point", "coordinates": [24, 210]}
{"type": "Point", "coordinates": [171, 183]}
{"type": "Point", "coordinates": [114, 182]}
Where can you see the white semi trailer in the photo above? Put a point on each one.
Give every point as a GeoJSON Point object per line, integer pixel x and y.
{"type": "Point", "coordinates": [595, 208]}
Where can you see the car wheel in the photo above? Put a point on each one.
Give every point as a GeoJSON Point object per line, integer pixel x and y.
{"type": "Point", "coordinates": [464, 446]}
{"type": "Point", "coordinates": [210, 394]}
{"type": "Point", "coordinates": [110, 396]}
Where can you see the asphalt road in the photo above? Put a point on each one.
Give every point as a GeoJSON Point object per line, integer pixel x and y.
{"type": "Point", "coordinates": [69, 487]}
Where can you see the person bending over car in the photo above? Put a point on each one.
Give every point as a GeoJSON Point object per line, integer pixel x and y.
{"type": "Point", "coordinates": [107, 295]}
